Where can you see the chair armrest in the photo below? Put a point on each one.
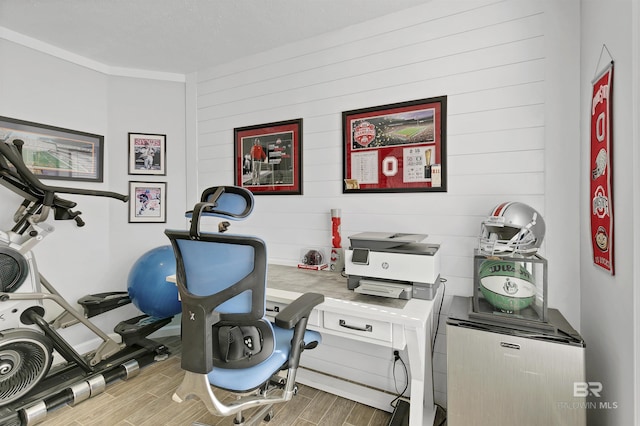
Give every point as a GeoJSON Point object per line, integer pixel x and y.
{"type": "Point", "coordinates": [298, 309]}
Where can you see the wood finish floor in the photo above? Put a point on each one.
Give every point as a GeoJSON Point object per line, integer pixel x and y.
{"type": "Point", "coordinates": [145, 400]}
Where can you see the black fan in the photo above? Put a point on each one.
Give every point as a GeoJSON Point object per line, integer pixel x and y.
{"type": "Point", "coordinates": [13, 269]}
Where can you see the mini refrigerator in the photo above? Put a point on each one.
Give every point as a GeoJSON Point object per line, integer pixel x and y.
{"type": "Point", "coordinates": [499, 374]}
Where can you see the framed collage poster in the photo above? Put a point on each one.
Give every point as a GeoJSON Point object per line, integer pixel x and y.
{"type": "Point", "coordinates": [147, 202]}
{"type": "Point", "coordinates": [56, 153]}
{"type": "Point", "coordinates": [396, 148]}
{"type": "Point", "coordinates": [147, 154]}
{"type": "Point", "coordinates": [268, 157]}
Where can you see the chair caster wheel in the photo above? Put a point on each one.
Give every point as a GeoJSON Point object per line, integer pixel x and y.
{"type": "Point", "coordinates": [269, 416]}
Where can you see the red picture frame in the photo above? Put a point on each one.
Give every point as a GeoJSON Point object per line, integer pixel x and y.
{"type": "Point", "coordinates": [268, 158]}
{"type": "Point", "coordinates": [397, 147]}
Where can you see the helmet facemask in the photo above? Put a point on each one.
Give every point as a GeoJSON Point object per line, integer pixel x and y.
{"type": "Point", "coordinates": [500, 237]}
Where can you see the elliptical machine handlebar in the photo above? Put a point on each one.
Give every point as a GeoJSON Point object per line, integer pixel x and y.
{"type": "Point", "coordinates": [23, 182]}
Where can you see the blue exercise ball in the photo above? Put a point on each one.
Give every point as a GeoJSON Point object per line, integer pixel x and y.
{"type": "Point", "coordinates": [147, 284]}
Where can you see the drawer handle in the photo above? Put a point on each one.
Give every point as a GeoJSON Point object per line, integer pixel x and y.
{"type": "Point", "coordinates": [509, 345]}
{"type": "Point", "coordinates": [275, 309]}
{"type": "Point", "coordinates": [344, 324]}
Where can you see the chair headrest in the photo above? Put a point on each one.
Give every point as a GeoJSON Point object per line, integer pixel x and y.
{"type": "Point", "coordinates": [227, 202]}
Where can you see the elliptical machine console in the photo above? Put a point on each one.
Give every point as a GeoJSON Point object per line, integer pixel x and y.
{"type": "Point", "coordinates": [30, 385]}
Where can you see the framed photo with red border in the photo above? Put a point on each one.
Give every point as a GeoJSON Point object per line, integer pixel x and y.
{"type": "Point", "coordinates": [268, 158]}
{"type": "Point", "coordinates": [396, 148]}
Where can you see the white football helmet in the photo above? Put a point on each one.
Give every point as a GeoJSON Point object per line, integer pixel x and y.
{"type": "Point", "coordinates": [512, 228]}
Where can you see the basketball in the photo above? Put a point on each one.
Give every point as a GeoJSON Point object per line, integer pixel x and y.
{"type": "Point", "coordinates": [506, 285]}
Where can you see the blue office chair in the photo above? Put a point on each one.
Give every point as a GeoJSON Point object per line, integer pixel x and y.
{"type": "Point", "coordinates": [227, 342]}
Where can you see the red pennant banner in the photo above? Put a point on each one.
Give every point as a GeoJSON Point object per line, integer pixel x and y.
{"type": "Point", "coordinates": [601, 174]}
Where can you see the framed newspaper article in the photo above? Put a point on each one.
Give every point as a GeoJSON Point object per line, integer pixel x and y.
{"type": "Point", "coordinates": [147, 154]}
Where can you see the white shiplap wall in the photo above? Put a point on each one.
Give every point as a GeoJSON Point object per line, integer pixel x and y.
{"type": "Point", "coordinates": [486, 56]}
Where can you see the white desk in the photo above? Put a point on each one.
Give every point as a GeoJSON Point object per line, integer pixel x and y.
{"type": "Point", "coordinates": [394, 324]}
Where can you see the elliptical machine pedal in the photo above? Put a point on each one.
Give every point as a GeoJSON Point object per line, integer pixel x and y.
{"type": "Point", "coordinates": [96, 304]}
{"type": "Point", "coordinates": [134, 331]}
{"type": "Point", "coordinates": [93, 304]}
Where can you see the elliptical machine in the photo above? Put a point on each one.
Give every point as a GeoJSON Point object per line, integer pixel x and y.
{"type": "Point", "coordinates": [30, 385]}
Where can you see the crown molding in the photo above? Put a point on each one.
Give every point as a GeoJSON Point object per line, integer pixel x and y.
{"type": "Point", "coordinates": [65, 55]}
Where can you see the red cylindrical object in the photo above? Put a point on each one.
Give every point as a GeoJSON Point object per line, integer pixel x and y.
{"type": "Point", "coordinates": [336, 239]}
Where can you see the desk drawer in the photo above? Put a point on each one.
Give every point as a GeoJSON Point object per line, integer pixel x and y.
{"type": "Point", "coordinates": [273, 308]}
{"type": "Point", "coordinates": [368, 328]}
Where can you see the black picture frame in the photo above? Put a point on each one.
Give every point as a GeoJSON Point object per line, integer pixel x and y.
{"type": "Point", "coordinates": [147, 154]}
{"type": "Point", "coordinates": [400, 147]}
{"type": "Point", "coordinates": [147, 202]}
{"type": "Point", "coordinates": [52, 152]}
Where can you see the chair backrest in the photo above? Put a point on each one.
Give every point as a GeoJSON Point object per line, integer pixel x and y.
{"type": "Point", "coordinates": [221, 279]}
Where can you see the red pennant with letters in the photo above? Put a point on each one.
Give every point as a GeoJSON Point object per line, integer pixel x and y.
{"type": "Point", "coordinates": [601, 175]}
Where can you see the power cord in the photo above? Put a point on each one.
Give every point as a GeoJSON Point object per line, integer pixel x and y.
{"type": "Point", "coordinates": [444, 415]}
{"type": "Point", "coordinates": [396, 356]}
{"type": "Point", "coordinates": [435, 336]}
{"type": "Point", "coordinates": [433, 346]}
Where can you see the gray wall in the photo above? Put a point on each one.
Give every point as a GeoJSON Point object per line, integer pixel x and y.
{"type": "Point", "coordinates": [607, 302]}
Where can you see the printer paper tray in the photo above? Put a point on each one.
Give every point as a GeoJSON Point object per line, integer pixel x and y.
{"type": "Point", "coordinates": [384, 289]}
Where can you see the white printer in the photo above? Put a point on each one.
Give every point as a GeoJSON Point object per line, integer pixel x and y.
{"type": "Point", "coordinates": [392, 265]}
